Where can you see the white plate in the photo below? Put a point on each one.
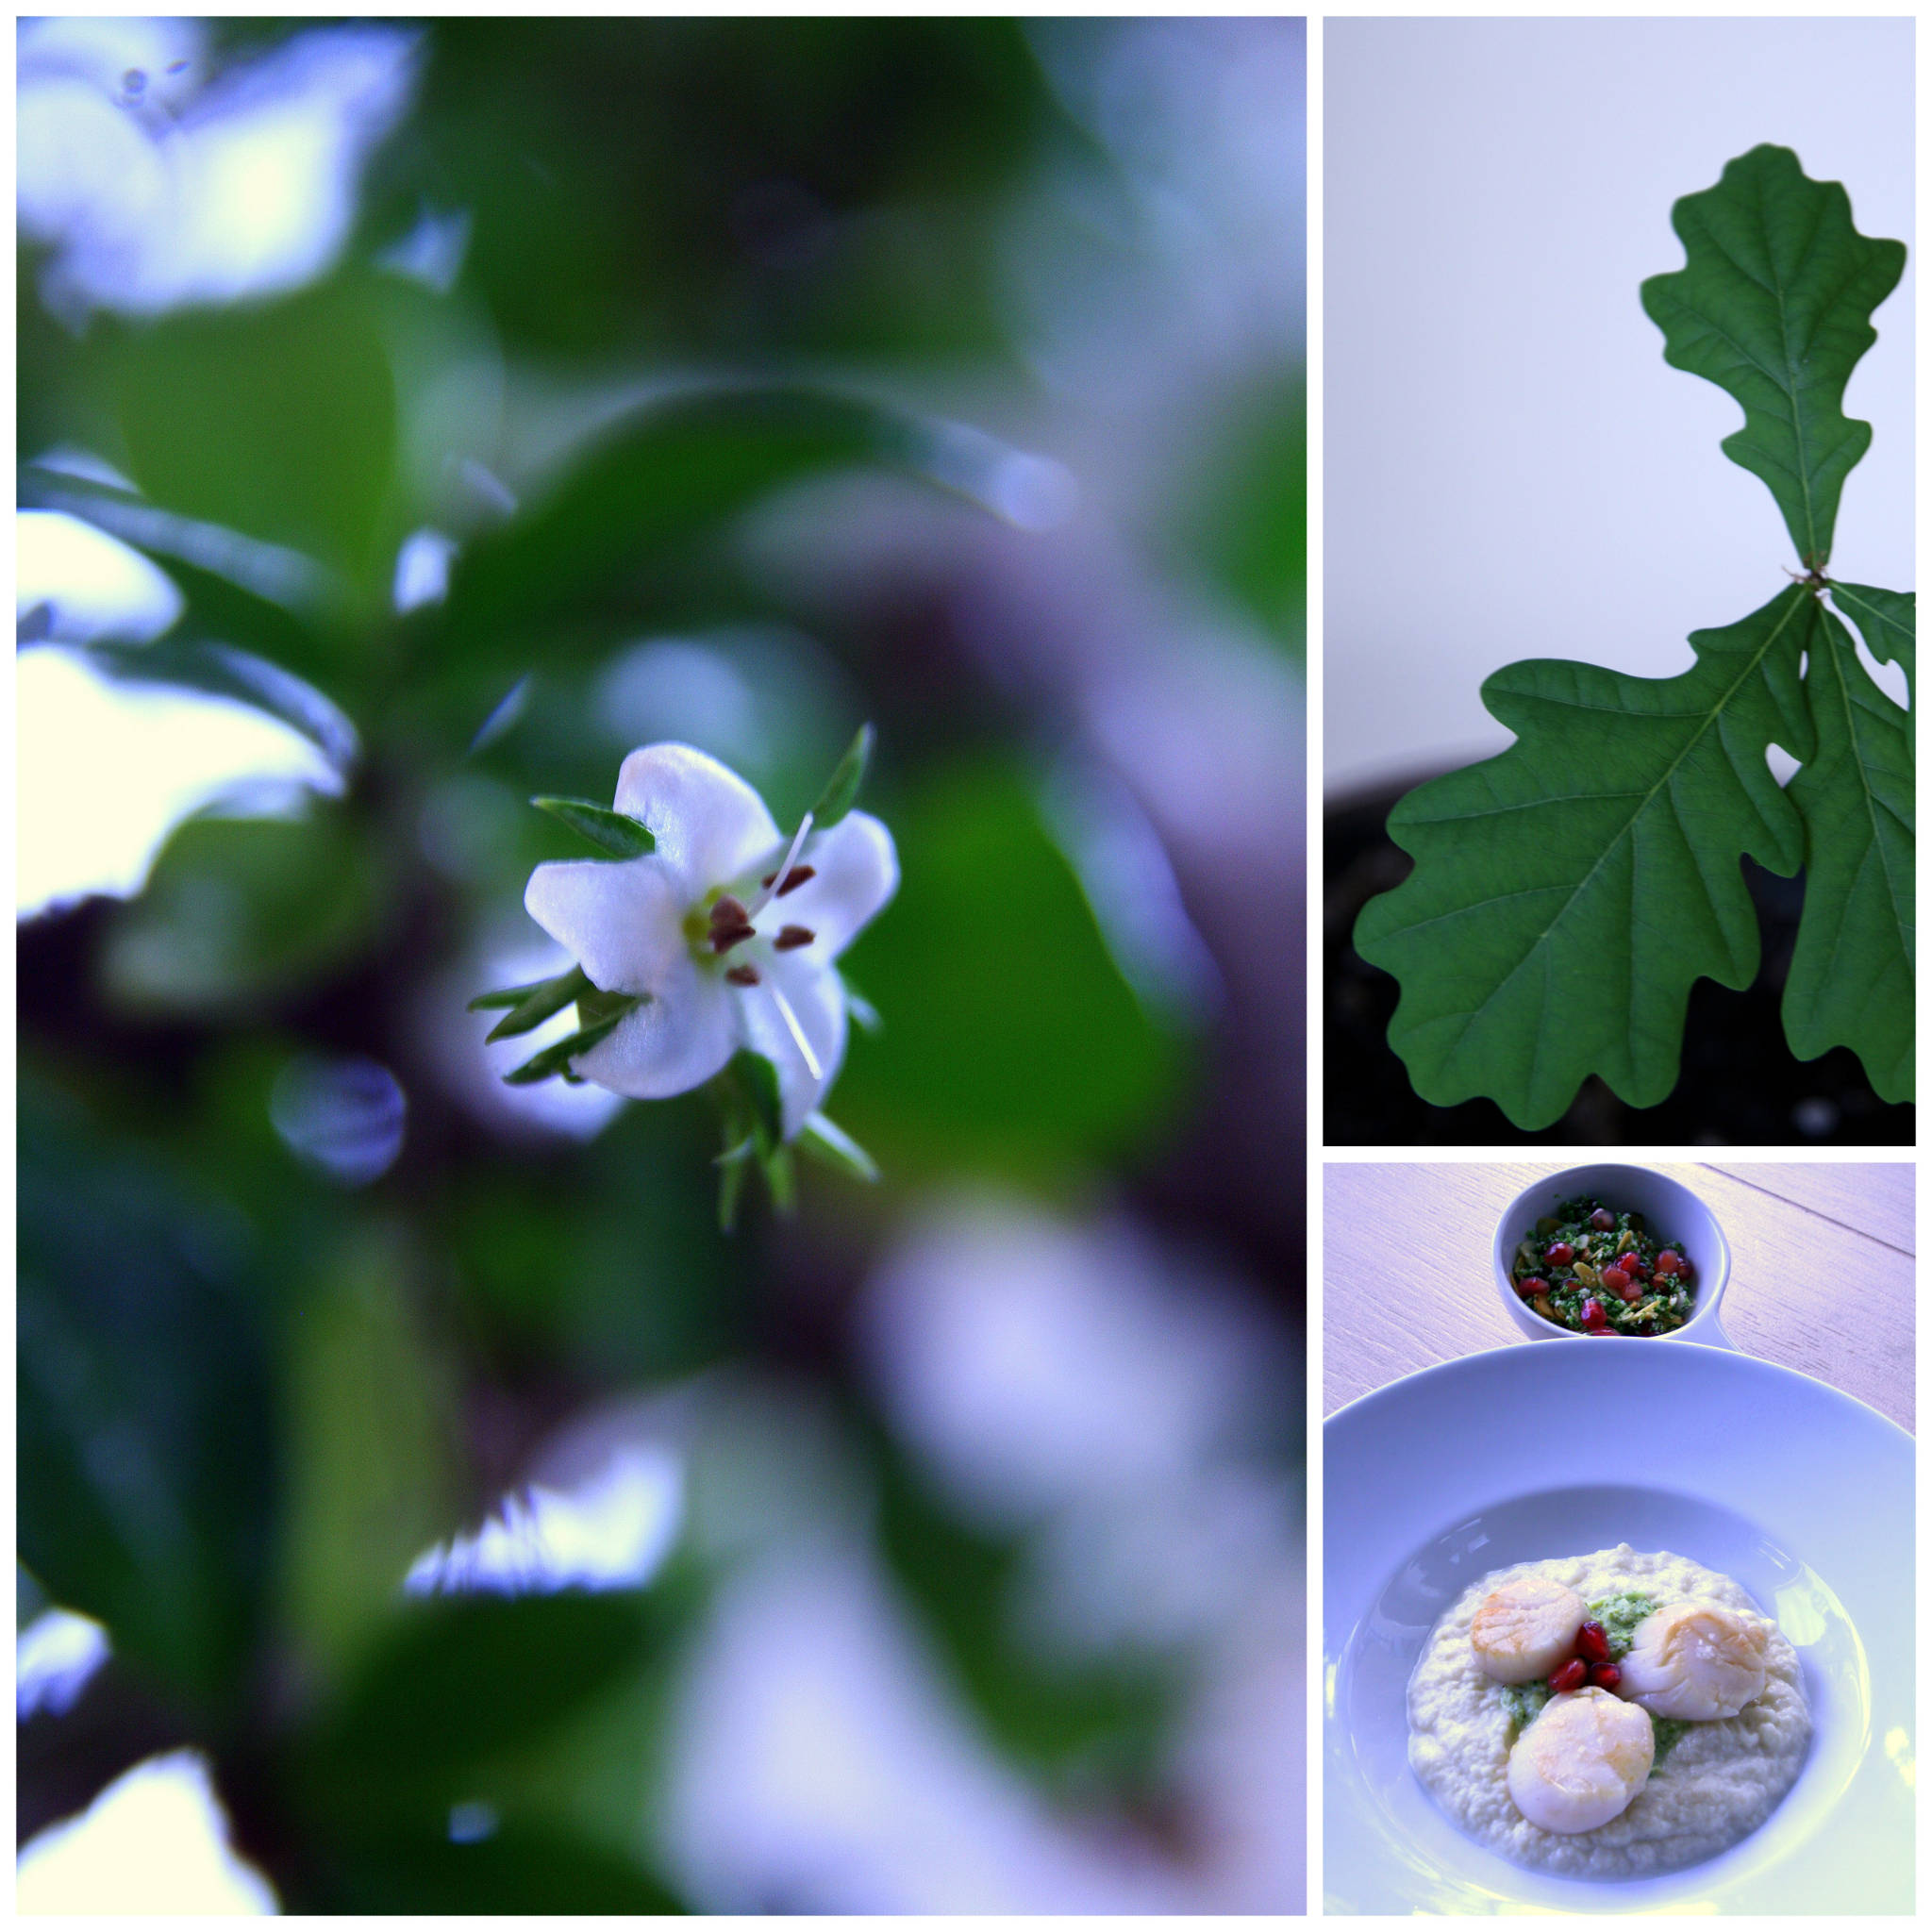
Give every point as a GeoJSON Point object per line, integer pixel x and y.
{"type": "Point", "coordinates": [1801, 1493]}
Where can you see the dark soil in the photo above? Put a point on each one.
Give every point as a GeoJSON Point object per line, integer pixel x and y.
{"type": "Point", "coordinates": [1739, 1085]}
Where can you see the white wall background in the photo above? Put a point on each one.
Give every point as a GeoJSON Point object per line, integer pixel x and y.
{"type": "Point", "coordinates": [1510, 469]}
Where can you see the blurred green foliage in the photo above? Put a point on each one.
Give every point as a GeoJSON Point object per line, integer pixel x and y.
{"type": "Point", "coordinates": [149, 1439]}
{"type": "Point", "coordinates": [241, 912]}
{"type": "Point", "coordinates": [1011, 1045]}
{"type": "Point", "coordinates": [279, 421]}
{"type": "Point", "coordinates": [1080, 1724]}
{"type": "Point", "coordinates": [249, 1395]}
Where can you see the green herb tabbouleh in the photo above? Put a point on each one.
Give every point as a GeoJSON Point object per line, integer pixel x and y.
{"type": "Point", "coordinates": [1601, 1271]}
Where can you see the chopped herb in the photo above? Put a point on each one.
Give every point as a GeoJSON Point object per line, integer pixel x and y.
{"type": "Point", "coordinates": [1620, 1616]}
{"type": "Point", "coordinates": [1665, 1731]}
{"type": "Point", "coordinates": [1523, 1700]}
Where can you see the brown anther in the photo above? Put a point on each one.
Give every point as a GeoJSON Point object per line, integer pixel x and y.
{"type": "Point", "coordinates": [724, 937]}
{"type": "Point", "coordinates": [791, 937]}
{"type": "Point", "coordinates": [796, 878]}
{"type": "Point", "coordinates": [728, 911]}
{"type": "Point", "coordinates": [743, 975]}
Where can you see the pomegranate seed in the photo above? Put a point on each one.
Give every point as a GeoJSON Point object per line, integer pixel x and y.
{"type": "Point", "coordinates": [1632, 1265]}
{"type": "Point", "coordinates": [1606, 1676]}
{"type": "Point", "coordinates": [1618, 1283]}
{"type": "Point", "coordinates": [1593, 1642]}
{"type": "Point", "coordinates": [1594, 1313]}
{"type": "Point", "coordinates": [1603, 1221]}
{"type": "Point", "coordinates": [1559, 1254]}
{"type": "Point", "coordinates": [1531, 1286]}
{"type": "Point", "coordinates": [1670, 1262]}
{"type": "Point", "coordinates": [1605, 1329]}
{"type": "Point", "coordinates": [1569, 1676]}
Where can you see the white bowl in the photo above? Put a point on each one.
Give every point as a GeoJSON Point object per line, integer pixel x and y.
{"type": "Point", "coordinates": [1670, 1210]}
{"type": "Point", "coordinates": [1802, 1494]}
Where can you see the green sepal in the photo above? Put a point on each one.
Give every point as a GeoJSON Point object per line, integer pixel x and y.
{"type": "Point", "coordinates": [754, 1135]}
{"type": "Point", "coordinates": [756, 1080]}
{"type": "Point", "coordinates": [832, 1146]}
{"type": "Point", "coordinates": [781, 1177]}
{"type": "Point", "coordinates": [615, 831]}
{"type": "Point", "coordinates": [1773, 305]}
{"type": "Point", "coordinates": [546, 997]}
{"type": "Point", "coordinates": [863, 1014]}
{"type": "Point", "coordinates": [503, 996]}
{"type": "Point", "coordinates": [842, 789]}
{"type": "Point", "coordinates": [556, 1058]}
{"type": "Point", "coordinates": [733, 1165]}
{"type": "Point", "coordinates": [594, 1004]}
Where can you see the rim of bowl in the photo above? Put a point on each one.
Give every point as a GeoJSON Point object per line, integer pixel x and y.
{"type": "Point", "coordinates": [1708, 1294]}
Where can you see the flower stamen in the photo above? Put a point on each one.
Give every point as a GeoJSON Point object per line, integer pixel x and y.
{"type": "Point", "coordinates": [729, 925]}
{"type": "Point", "coordinates": [743, 975]}
{"type": "Point", "coordinates": [783, 872]}
{"type": "Point", "coordinates": [791, 937]}
{"type": "Point", "coordinates": [797, 1032]}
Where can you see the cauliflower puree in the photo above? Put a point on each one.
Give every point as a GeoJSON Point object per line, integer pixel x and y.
{"type": "Point", "coordinates": [1719, 1781]}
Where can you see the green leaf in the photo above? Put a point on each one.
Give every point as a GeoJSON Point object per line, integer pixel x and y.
{"type": "Point", "coordinates": [1887, 622]}
{"type": "Point", "coordinates": [558, 1057]}
{"type": "Point", "coordinates": [842, 790]}
{"type": "Point", "coordinates": [275, 419]}
{"type": "Point", "coordinates": [239, 913]}
{"type": "Point", "coordinates": [1566, 892]}
{"type": "Point", "coordinates": [1062, 1718]}
{"type": "Point", "coordinates": [456, 1681]}
{"type": "Point", "coordinates": [221, 671]}
{"type": "Point", "coordinates": [371, 1484]}
{"type": "Point", "coordinates": [833, 1147]}
{"type": "Point", "coordinates": [1850, 982]}
{"type": "Point", "coordinates": [1773, 305]}
{"type": "Point", "coordinates": [269, 602]}
{"type": "Point", "coordinates": [613, 831]}
{"type": "Point", "coordinates": [538, 1002]}
{"type": "Point", "coordinates": [1250, 520]}
{"type": "Point", "coordinates": [1015, 1045]}
{"type": "Point", "coordinates": [679, 468]}
{"type": "Point", "coordinates": [148, 1441]}
{"type": "Point", "coordinates": [522, 1869]}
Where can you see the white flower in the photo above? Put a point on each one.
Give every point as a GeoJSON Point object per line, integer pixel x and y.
{"type": "Point", "coordinates": [727, 931]}
{"type": "Point", "coordinates": [156, 190]}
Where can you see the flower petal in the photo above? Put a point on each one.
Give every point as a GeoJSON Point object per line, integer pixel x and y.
{"type": "Point", "coordinates": [711, 827]}
{"type": "Point", "coordinates": [622, 919]}
{"type": "Point", "coordinates": [855, 872]}
{"type": "Point", "coordinates": [677, 1040]}
{"type": "Point", "coordinates": [818, 1004]}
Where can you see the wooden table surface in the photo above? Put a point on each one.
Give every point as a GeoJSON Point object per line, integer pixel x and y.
{"type": "Point", "coordinates": [1821, 1268]}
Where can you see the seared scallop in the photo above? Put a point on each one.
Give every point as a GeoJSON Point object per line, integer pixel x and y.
{"type": "Point", "coordinates": [1524, 1629]}
{"type": "Point", "coordinates": [1696, 1661]}
{"type": "Point", "coordinates": [1582, 1761]}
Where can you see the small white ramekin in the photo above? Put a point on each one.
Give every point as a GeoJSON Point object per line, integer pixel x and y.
{"type": "Point", "coordinates": [1670, 1210]}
